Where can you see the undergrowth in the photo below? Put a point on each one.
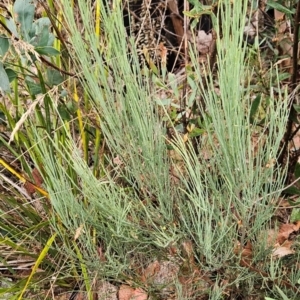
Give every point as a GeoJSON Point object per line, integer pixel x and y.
{"type": "Point", "coordinates": [164, 185]}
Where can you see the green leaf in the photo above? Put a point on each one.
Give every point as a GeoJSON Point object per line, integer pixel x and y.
{"type": "Point", "coordinates": [194, 90]}
{"type": "Point", "coordinates": [11, 74]}
{"type": "Point", "coordinates": [34, 88]}
{"type": "Point", "coordinates": [63, 93]}
{"type": "Point", "coordinates": [282, 294]}
{"type": "Point", "coordinates": [254, 108]}
{"type": "Point", "coordinates": [179, 127]}
{"type": "Point", "coordinates": [42, 36]}
{"type": "Point", "coordinates": [292, 191]}
{"type": "Point", "coordinates": [279, 7]}
{"type": "Point", "coordinates": [4, 44]}
{"type": "Point", "coordinates": [24, 10]}
{"type": "Point", "coordinates": [196, 132]}
{"type": "Point", "coordinates": [39, 260]}
{"type": "Point", "coordinates": [11, 25]}
{"type": "Point", "coordinates": [294, 117]}
{"type": "Point", "coordinates": [283, 76]}
{"type": "Point", "coordinates": [4, 80]}
{"type": "Point", "coordinates": [297, 107]}
{"type": "Point", "coordinates": [63, 112]}
{"type": "Point", "coordinates": [297, 170]}
{"type": "Point", "coordinates": [164, 102]}
{"type": "Point", "coordinates": [173, 83]}
{"type": "Point", "coordinates": [293, 202]}
{"type": "Point", "coordinates": [195, 3]}
{"type": "Point", "coordinates": [47, 50]}
{"type": "Point", "coordinates": [54, 77]}
{"type": "Point", "coordinates": [72, 106]}
{"type": "Point", "coordinates": [295, 215]}
{"type": "Point", "coordinates": [41, 23]}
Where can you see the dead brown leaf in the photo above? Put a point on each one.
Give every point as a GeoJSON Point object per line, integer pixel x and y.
{"type": "Point", "coordinates": [283, 250]}
{"type": "Point", "coordinates": [163, 53]}
{"type": "Point", "coordinates": [203, 42]}
{"type": "Point", "coordinates": [37, 182]}
{"type": "Point", "coordinates": [117, 161]}
{"type": "Point", "coordinates": [279, 240]}
{"type": "Point", "coordinates": [150, 271]}
{"type": "Point", "coordinates": [128, 293]}
{"type": "Point", "coordinates": [101, 254]}
{"type": "Point", "coordinates": [78, 232]}
{"type": "Point", "coordinates": [188, 250]}
{"type": "Point", "coordinates": [285, 40]}
{"type": "Point", "coordinates": [162, 275]}
{"type": "Point", "coordinates": [106, 290]}
{"type": "Point", "coordinates": [286, 230]}
{"type": "Point", "coordinates": [29, 187]}
{"type": "Point", "coordinates": [246, 255]}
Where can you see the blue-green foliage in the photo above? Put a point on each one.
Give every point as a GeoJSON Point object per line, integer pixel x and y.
{"type": "Point", "coordinates": [37, 33]}
{"type": "Point", "coordinates": [24, 10]}
{"type": "Point", "coordinates": [4, 81]}
{"type": "Point", "coordinates": [4, 44]}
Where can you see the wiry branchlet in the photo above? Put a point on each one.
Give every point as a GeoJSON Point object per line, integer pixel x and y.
{"type": "Point", "coordinates": [148, 21]}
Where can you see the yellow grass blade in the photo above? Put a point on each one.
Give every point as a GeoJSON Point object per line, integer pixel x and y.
{"type": "Point", "coordinates": [38, 262]}
{"type": "Point", "coordinates": [21, 177]}
{"type": "Point", "coordinates": [12, 170]}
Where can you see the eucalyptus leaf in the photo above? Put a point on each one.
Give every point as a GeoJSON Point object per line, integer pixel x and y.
{"type": "Point", "coordinates": [4, 44]}
{"type": "Point", "coordinates": [63, 112]}
{"type": "Point", "coordinates": [34, 88]}
{"type": "Point", "coordinates": [11, 25]}
{"type": "Point", "coordinates": [4, 80]}
{"type": "Point", "coordinates": [42, 36]}
{"type": "Point", "coordinates": [24, 10]}
{"type": "Point", "coordinates": [54, 77]}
